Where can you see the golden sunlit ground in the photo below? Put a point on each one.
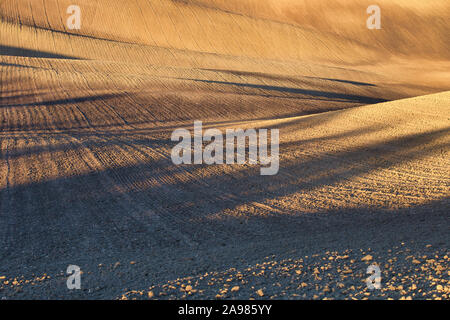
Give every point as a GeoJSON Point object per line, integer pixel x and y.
{"type": "Point", "coordinates": [86, 176]}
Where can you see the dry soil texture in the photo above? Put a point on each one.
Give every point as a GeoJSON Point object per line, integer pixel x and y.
{"type": "Point", "coordinates": [86, 176]}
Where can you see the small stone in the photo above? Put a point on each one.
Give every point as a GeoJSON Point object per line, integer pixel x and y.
{"type": "Point", "coordinates": [347, 271]}
{"type": "Point", "coordinates": [235, 288]}
{"type": "Point", "coordinates": [260, 293]}
{"type": "Point", "coordinates": [367, 258]}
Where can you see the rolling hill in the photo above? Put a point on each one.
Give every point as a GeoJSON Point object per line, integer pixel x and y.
{"type": "Point", "coordinates": [86, 177]}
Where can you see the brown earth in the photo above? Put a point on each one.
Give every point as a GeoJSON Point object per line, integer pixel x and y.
{"type": "Point", "coordinates": [86, 176]}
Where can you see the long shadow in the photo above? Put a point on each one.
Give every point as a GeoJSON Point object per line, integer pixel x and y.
{"type": "Point", "coordinates": [36, 100]}
{"type": "Point", "coordinates": [17, 65]}
{"type": "Point", "coordinates": [285, 78]}
{"type": "Point", "coordinates": [138, 136]}
{"type": "Point", "coordinates": [62, 101]}
{"type": "Point", "coordinates": [314, 93]}
{"type": "Point", "coordinates": [356, 83]}
{"type": "Point", "coordinates": [66, 145]}
{"type": "Point", "coordinates": [21, 52]}
{"type": "Point", "coordinates": [114, 127]}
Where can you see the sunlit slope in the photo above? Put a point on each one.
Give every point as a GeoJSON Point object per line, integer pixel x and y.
{"type": "Point", "coordinates": [391, 155]}
{"type": "Point", "coordinates": [412, 28]}
{"type": "Point", "coordinates": [163, 60]}
{"type": "Point", "coordinates": [181, 25]}
{"type": "Point", "coordinates": [334, 31]}
{"type": "Point", "coordinates": [272, 37]}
